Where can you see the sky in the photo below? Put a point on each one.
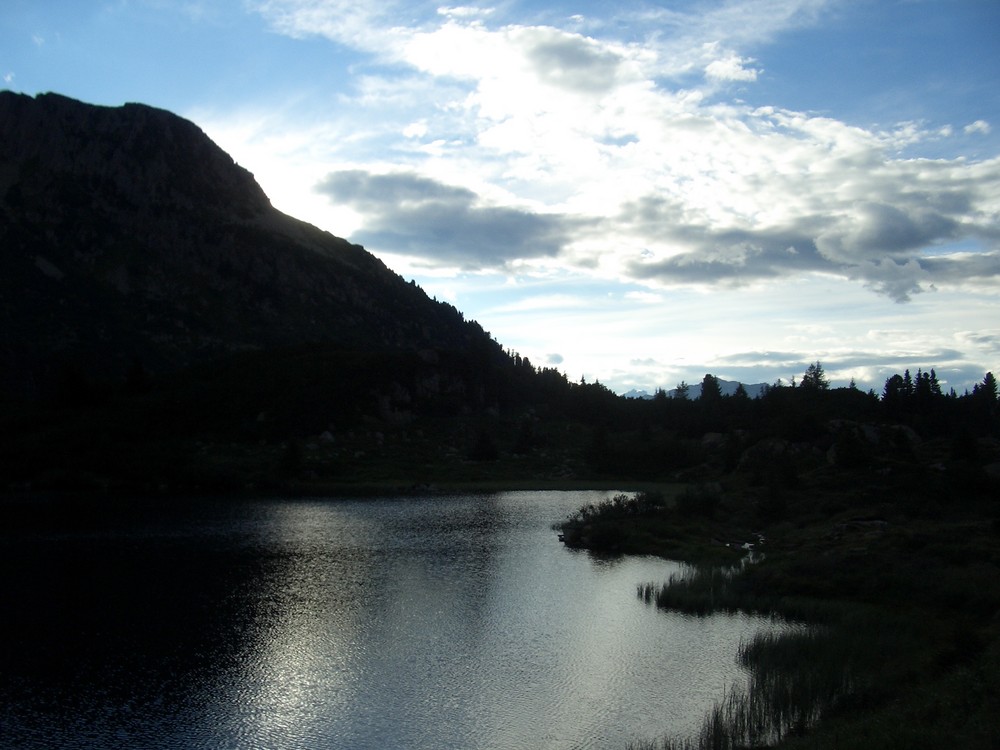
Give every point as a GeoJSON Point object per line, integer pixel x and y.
{"type": "Point", "coordinates": [635, 193]}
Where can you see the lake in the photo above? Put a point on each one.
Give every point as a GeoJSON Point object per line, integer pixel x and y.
{"type": "Point", "coordinates": [446, 622]}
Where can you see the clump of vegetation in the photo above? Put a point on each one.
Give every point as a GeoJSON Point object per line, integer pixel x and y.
{"type": "Point", "coordinates": [858, 664]}
{"type": "Point", "coordinates": [602, 526]}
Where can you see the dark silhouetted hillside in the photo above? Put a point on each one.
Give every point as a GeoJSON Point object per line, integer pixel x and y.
{"type": "Point", "coordinates": [129, 239]}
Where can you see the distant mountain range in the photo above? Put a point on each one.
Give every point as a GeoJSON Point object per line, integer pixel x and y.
{"type": "Point", "coordinates": [728, 388]}
{"type": "Point", "coordinates": [127, 236]}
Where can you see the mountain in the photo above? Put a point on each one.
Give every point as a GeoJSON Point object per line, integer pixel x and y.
{"type": "Point", "coordinates": [728, 388]}
{"type": "Point", "coordinates": [128, 237]}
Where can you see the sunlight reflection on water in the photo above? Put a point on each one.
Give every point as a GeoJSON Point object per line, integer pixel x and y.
{"type": "Point", "coordinates": [416, 623]}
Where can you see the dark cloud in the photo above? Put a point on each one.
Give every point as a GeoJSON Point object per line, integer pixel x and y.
{"type": "Point", "coordinates": [881, 230]}
{"type": "Point", "coordinates": [731, 257]}
{"type": "Point", "coordinates": [553, 359]}
{"type": "Point", "coordinates": [366, 190]}
{"type": "Point", "coordinates": [574, 62]}
{"type": "Point", "coordinates": [413, 215]}
{"type": "Point", "coordinates": [979, 266]}
{"type": "Point", "coordinates": [881, 246]}
{"type": "Point", "coordinates": [898, 281]}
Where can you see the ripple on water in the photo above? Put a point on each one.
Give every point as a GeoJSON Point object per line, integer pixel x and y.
{"type": "Point", "coordinates": [457, 622]}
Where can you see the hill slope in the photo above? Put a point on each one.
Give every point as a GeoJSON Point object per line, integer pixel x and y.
{"type": "Point", "coordinates": [127, 235]}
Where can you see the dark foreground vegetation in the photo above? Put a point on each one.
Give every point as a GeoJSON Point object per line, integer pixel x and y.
{"type": "Point", "coordinates": [874, 517]}
{"type": "Point", "coordinates": [887, 555]}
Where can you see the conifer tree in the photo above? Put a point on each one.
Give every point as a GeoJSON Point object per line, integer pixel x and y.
{"type": "Point", "coordinates": [815, 378]}
{"type": "Point", "coordinates": [987, 390]}
{"type": "Point", "coordinates": [710, 389]}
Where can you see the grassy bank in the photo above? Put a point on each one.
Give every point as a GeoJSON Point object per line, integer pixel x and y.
{"type": "Point", "coordinates": [897, 586]}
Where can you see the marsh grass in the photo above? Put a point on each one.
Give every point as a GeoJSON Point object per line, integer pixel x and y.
{"type": "Point", "coordinates": [797, 674]}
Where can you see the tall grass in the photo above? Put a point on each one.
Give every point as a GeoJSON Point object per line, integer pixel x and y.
{"type": "Point", "coordinates": [796, 675]}
{"type": "Point", "coordinates": [700, 590]}
{"type": "Point", "coordinates": [704, 589]}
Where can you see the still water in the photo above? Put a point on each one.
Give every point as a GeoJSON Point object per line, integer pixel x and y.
{"type": "Point", "coordinates": [394, 623]}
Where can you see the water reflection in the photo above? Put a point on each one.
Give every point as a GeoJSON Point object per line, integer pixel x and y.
{"type": "Point", "coordinates": [456, 622]}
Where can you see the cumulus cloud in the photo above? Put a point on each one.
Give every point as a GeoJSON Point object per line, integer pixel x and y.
{"type": "Point", "coordinates": [899, 281]}
{"type": "Point", "coordinates": [633, 167]}
{"type": "Point", "coordinates": [979, 126]}
{"type": "Point", "coordinates": [412, 215]}
{"type": "Point", "coordinates": [573, 62]}
{"type": "Point", "coordinates": [728, 66]}
{"type": "Point", "coordinates": [731, 68]}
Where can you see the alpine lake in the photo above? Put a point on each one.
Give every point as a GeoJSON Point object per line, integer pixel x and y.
{"type": "Point", "coordinates": [394, 622]}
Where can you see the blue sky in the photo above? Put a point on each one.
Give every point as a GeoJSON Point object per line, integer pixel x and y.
{"type": "Point", "coordinates": [636, 193]}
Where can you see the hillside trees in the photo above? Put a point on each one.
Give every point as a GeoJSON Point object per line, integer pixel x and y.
{"type": "Point", "coordinates": [815, 378]}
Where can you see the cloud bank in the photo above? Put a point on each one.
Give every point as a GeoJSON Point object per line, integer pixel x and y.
{"type": "Point", "coordinates": [592, 145]}
{"type": "Point", "coordinates": [414, 215]}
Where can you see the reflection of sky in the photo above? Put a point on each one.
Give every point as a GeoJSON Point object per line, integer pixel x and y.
{"type": "Point", "coordinates": [416, 623]}
{"type": "Point", "coordinates": [462, 623]}
{"type": "Point", "coordinates": [304, 646]}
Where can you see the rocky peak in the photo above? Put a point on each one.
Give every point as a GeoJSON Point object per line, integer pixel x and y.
{"type": "Point", "coordinates": [150, 158]}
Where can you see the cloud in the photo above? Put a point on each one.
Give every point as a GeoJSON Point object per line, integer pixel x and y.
{"type": "Point", "coordinates": [898, 281]}
{"type": "Point", "coordinates": [870, 367]}
{"type": "Point", "coordinates": [765, 358]}
{"type": "Point", "coordinates": [571, 61]}
{"type": "Point", "coordinates": [464, 11]}
{"type": "Point", "coordinates": [728, 67]}
{"type": "Point", "coordinates": [613, 153]}
{"type": "Point", "coordinates": [408, 214]}
{"type": "Point", "coordinates": [979, 126]}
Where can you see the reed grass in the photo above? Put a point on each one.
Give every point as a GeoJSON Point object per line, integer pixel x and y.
{"type": "Point", "coordinates": [795, 675]}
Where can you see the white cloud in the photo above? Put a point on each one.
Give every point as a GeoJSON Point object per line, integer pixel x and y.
{"type": "Point", "coordinates": [979, 126]}
{"type": "Point", "coordinates": [559, 150]}
{"type": "Point", "coordinates": [464, 11]}
{"type": "Point", "coordinates": [731, 68]}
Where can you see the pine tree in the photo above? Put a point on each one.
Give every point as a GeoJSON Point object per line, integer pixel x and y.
{"type": "Point", "coordinates": [986, 391]}
{"type": "Point", "coordinates": [710, 389]}
{"type": "Point", "coordinates": [935, 385]}
{"type": "Point", "coordinates": [815, 378]}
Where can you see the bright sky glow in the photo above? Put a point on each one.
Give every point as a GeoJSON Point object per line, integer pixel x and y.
{"type": "Point", "coordinates": [637, 193]}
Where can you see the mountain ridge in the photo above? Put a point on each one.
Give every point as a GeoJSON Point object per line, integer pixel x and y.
{"type": "Point", "coordinates": [727, 387]}
{"type": "Point", "coordinates": [128, 235]}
